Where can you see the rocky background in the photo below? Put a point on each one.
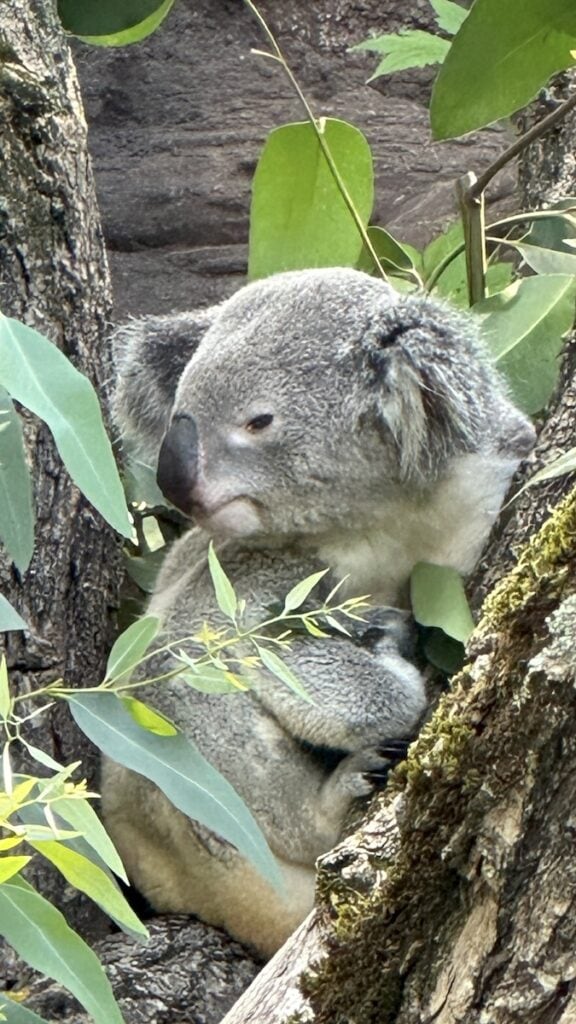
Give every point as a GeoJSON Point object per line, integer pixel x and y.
{"type": "Point", "coordinates": [177, 123]}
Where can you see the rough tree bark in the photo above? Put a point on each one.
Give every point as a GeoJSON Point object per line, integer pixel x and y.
{"type": "Point", "coordinates": [53, 276]}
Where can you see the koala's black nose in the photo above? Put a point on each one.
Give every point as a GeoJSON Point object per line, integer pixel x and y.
{"type": "Point", "coordinates": [178, 462]}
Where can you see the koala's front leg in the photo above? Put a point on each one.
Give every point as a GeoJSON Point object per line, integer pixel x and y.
{"type": "Point", "coordinates": [364, 689]}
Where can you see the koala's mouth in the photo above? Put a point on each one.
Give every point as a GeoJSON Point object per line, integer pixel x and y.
{"type": "Point", "coordinates": [238, 517]}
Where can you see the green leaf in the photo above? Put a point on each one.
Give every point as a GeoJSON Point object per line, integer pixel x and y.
{"type": "Point", "coordinates": [296, 597]}
{"type": "Point", "coordinates": [438, 599]}
{"type": "Point", "coordinates": [144, 569]}
{"type": "Point", "coordinates": [88, 878]}
{"type": "Point", "coordinates": [82, 816]}
{"type": "Point", "coordinates": [130, 648]}
{"type": "Point", "coordinates": [449, 15]}
{"type": "Point", "coordinates": [10, 866]}
{"type": "Point", "coordinates": [39, 376]}
{"type": "Point", "coordinates": [40, 935]}
{"type": "Point", "coordinates": [391, 254]}
{"type": "Point", "coordinates": [278, 668]}
{"type": "Point", "coordinates": [148, 718]}
{"type": "Point", "coordinates": [16, 514]}
{"type": "Point", "coordinates": [109, 23]}
{"type": "Point", "coordinates": [546, 261]}
{"type": "Point", "coordinates": [498, 61]}
{"type": "Point", "coordinates": [443, 651]}
{"type": "Point", "coordinates": [558, 467]}
{"type": "Point", "coordinates": [178, 768]}
{"type": "Point", "coordinates": [298, 218]}
{"type": "Point", "coordinates": [140, 483]}
{"type": "Point", "coordinates": [5, 699]}
{"type": "Point", "coordinates": [225, 596]}
{"type": "Point", "coordinates": [16, 1013]}
{"type": "Point", "coordinates": [208, 678]}
{"type": "Point", "coordinates": [41, 756]}
{"type": "Point", "coordinates": [523, 327]}
{"type": "Point", "coordinates": [557, 230]}
{"type": "Point", "coordinates": [9, 618]}
{"type": "Point", "coordinates": [410, 48]}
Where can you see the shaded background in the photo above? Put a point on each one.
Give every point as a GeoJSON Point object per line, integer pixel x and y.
{"type": "Point", "coordinates": [177, 123]}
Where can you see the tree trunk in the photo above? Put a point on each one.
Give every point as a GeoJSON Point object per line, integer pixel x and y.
{"type": "Point", "coordinates": [455, 901]}
{"type": "Point", "coordinates": [54, 277]}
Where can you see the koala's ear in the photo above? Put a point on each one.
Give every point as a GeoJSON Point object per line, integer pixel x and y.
{"type": "Point", "coordinates": [150, 356]}
{"type": "Point", "coordinates": [431, 384]}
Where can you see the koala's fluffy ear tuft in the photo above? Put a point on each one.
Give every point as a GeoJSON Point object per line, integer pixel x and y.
{"type": "Point", "coordinates": [431, 383]}
{"type": "Point", "coordinates": [150, 356]}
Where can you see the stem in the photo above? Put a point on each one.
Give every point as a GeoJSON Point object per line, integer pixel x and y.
{"type": "Point", "coordinates": [530, 136]}
{"type": "Point", "coordinates": [472, 212]}
{"type": "Point", "coordinates": [279, 56]}
{"type": "Point", "coordinates": [516, 218]}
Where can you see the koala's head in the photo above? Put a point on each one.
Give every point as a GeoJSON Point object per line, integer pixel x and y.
{"type": "Point", "coordinates": [316, 395]}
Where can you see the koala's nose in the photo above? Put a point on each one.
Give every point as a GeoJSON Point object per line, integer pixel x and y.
{"type": "Point", "coordinates": [178, 462]}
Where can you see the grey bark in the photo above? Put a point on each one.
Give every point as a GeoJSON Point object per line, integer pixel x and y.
{"type": "Point", "coordinates": [53, 276]}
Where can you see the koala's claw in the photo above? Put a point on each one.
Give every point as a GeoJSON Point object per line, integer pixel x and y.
{"type": "Point", "coordinates": [394, 750]}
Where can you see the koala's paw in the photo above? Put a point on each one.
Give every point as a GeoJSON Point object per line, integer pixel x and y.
{"type": "Point", "coordinates": [361, 773]}
{"type": "Point", "coordinates": [388, 629]}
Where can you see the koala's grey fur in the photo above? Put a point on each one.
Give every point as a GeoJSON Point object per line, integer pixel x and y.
{"type": "Point", "coordinates": [392, 440]}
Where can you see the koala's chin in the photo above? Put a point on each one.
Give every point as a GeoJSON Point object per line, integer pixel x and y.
{"type": "Point", "coordinates": [236, 518]}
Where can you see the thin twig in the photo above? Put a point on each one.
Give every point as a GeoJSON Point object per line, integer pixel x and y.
{"type": "Point", "coordinates": [530, 136]}
{"type": "Point", "coordinates": [316, 124]}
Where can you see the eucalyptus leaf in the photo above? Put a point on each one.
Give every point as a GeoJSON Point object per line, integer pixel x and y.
{"type": "Point", "coordinates": [225, 596]}
{"type": "Point", "coordinates": [144, 569]}
{"type": "Point", "coordinates": [109, 23]}
{"type": "Point", "coordinates": [88, 878]}
{"type": "Point", "coordinates": [130, 648]}
{"type": "Point", "coordinates": [298, 217]}
{"type": "Point", "coordinates": [148, 718]}
{"type": "Point", "coordinates": [443, 651]}
{"type": "Point", "coordinates": [546, 261]}
{"type": "Point", "coordinates": [280, 669]}
{"type": "Point", "coordinates": [392, 255]}
{"type": "Point", "coordinates": [296, 597]}
{"type": "Point", "coordinates": [498, 60]}
{"type": "Point", "coordinates": [208, 678]}
{"type": "Point", "coordinates": [180, 771]}
{"type": "Point", "coordinates": [11, 865]}
{"type": "Point", "coordinates": [558, 467]}
{"type": "Point", "coordinates": [5, 699]}
{"type": "Point", "coordinates": [82, 816]}
{"type": "Point", "coordinates": [556, 231]}
{"type": "Point", "coordinates": [409, 48]}
{"type": "Point", "coordinates": [40, 935]}
{"type": "Point", "coordinates": [438, 599]}
{"type": "Point", "coordinates": [449, 15]}
{"type": "Point", "coordinates": [39, 376]}
{"type": "Point", "coordinates": [9, 618]}
{"type": "Point", "coordinates": [15, 1013]}
{"type": "Point", "coordinates": [16, 514]}
{"type": "Point", "coordinates": [524, 326]}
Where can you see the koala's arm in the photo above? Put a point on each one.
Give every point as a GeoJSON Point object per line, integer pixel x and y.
{"type": "Point", "coordinates": [150, 355]}
{"type": "Point", "coordinates": [365, 692]}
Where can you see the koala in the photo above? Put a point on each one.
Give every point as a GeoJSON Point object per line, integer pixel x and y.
{"type": "Point", "coordinates": [317, 419]}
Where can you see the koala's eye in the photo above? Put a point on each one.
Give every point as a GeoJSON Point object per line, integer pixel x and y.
{"type": "Point", "coordinates": [259, 422]}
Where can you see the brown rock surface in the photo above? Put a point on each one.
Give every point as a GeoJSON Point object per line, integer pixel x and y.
{"type": "Point", "coordinates": [177, 123]}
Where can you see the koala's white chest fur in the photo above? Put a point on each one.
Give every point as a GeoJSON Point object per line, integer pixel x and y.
{"type": "Point", "coordinates": [448, 528]}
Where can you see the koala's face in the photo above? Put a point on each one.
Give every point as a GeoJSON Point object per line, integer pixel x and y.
{"type": "Point", "coordinates": [313, 398]}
